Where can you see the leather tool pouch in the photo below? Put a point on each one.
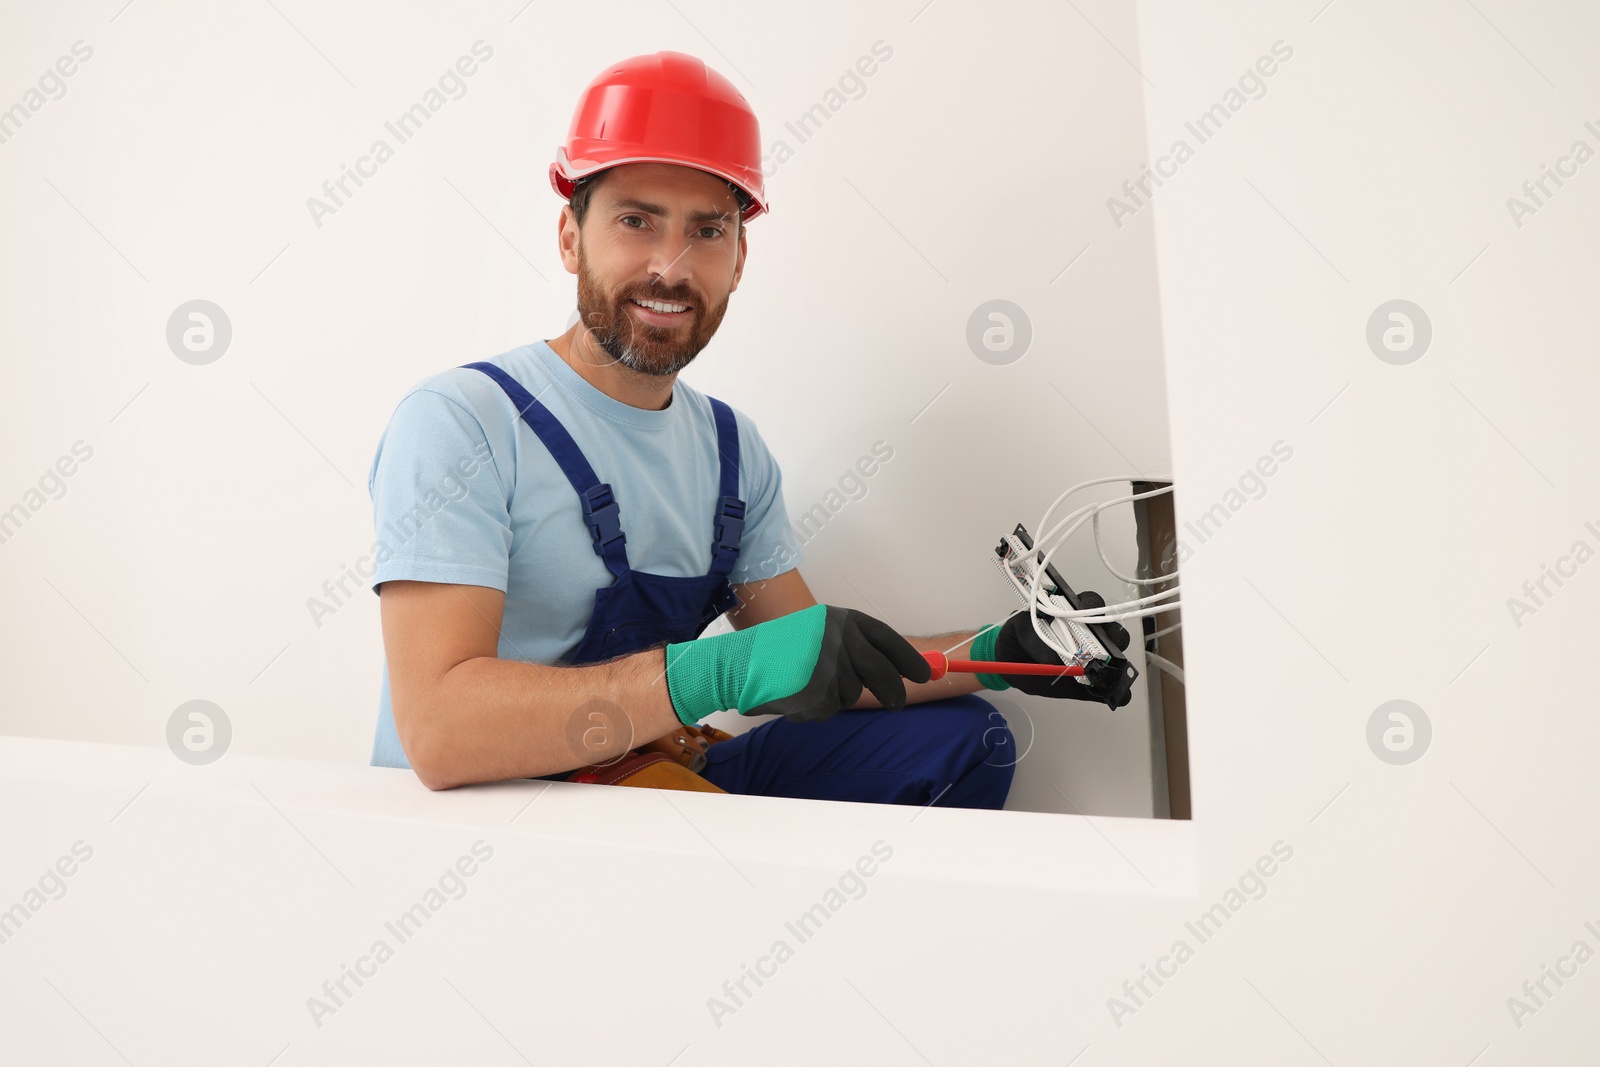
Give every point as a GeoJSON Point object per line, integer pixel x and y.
{"type": "Point", "coordinates": [669, 762]}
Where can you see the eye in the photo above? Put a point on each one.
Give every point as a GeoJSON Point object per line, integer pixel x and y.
{"type": "Point", "coordinates": [710, 233]}
{"type": "Point", "coordinates": [625, 219]}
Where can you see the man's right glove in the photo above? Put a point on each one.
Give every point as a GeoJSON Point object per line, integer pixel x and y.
{"type": "Point", "coordinates": [808, 666]}
{"type": "Point", "coordinates": [1014, 641]}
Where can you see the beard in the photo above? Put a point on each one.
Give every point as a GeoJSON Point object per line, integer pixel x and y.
{"type": "Point", "coordinates": [655, 350]}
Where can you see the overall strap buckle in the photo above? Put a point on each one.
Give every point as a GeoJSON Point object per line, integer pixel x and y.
{"type": "Point", "coordinates": [602, 516]}
{"type": "Point", "coordinates": [728, 526]}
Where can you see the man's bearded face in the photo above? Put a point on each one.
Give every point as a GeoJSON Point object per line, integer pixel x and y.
{"type": "Point", "coordinates": [639, 341]}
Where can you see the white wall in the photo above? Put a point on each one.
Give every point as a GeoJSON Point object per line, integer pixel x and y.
{"type": "Point", "coordinates": [1420, 497]}
{"type": "Point", "coordinates": [180, 562]}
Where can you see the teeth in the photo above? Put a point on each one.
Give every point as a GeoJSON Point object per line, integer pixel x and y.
{"type": "Point", "coordinates": [657, 305]}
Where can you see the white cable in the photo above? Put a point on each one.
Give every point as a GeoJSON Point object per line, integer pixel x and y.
{"type": "Point", "coordinates": [1114, 614]}
{"type": "Point", "coordinates": [1091, 614]}
{"type": "Point", "coordinates": [1159, 579]}
{"type": "Point", "coordinates": [1108, 612]}
{"type": "Point", "coordinates": [1083, 613]}
{"type": "Point", "coordinates": [1090, 511]}
{"type": "Point", "coordinates": [1165, 664]}
{"type": "Point", "coordinates": [1077, 488]}
{"type": "Point", "coordinates": [1072, 523]}
{"type": "Point", "coordinates": [1077, 519]}
{"type": "Point", "coordinates": [1041, 629]}
{"type": "Point", "coordinates": [1047, 533]}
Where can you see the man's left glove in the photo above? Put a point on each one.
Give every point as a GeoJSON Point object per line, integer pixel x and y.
{"type": "Point", "coordinates": [1014, 641]}
{"type": "Point", "coordinates": [806, 666]}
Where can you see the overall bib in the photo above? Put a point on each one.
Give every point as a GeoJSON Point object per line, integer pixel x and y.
{"type": "Point", "coordinates": [640, 609]}
{"type": "Point", "coordinates": [956, 752]}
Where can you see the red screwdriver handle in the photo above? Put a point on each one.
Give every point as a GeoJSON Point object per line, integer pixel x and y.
{"type": "Point", "coordinates": [943, 665]}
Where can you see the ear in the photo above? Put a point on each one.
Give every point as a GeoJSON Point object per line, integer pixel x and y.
{"type": "Point", "coordinates": [567, 238]}
{"type": "Point", "coordinates": [738, 264]}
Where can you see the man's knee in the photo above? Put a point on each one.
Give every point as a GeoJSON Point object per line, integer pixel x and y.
{"type": "Point", "coordinates": [980, 727]}
{"type": "Point", "coordinates": [979, 735]}
{"type": "Point", "coordinates": [997, 738]}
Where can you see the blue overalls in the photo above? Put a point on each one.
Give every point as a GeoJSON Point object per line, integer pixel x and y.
{"type": "Point", "coordinates": [956, 752]}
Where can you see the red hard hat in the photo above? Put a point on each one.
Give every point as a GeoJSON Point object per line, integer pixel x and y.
{"type": "Point", "coordinates": [664, 108]}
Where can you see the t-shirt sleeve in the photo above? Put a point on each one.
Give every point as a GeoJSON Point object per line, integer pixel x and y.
{"type": "Point", "coordinates": [768, 546]}
{"type": "Point", "coordinates": [439, 500]}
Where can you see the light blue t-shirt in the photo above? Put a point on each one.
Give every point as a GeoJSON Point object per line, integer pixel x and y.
{"type": "Point", "coordinates": [465, 493]}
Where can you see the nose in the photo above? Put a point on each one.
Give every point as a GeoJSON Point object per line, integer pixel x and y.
{"type": "Point", "coordinates": [670, 261]}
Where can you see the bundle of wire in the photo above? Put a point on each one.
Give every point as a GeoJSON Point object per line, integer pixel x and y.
{"type": "Point", "coordinates": [1139, 607]}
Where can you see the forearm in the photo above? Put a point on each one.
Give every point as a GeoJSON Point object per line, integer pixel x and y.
{"type": "Point", "coordinates": [488, 719]}
{"type": "Point", "coordinates": [952, 684]}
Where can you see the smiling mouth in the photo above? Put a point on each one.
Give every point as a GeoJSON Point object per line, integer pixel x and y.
{"type": "Point", "coordinates": [659, 314]}
{"type": "Point", "coordinates": [660, 307]}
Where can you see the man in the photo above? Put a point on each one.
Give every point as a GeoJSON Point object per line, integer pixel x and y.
{"type": "Point", "coordinates": [570, 517]}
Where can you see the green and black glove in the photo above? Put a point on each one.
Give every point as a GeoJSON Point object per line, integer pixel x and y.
{"type": "Point", "coordinates": [1014, 641]}
{"type": "Point", "coordinates": [807, 666]}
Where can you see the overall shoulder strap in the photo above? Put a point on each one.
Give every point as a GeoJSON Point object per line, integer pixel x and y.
{"type": "Point", "coordinates": [727, 523]}
{"type": "Point", "coordinates": [600, 512]}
